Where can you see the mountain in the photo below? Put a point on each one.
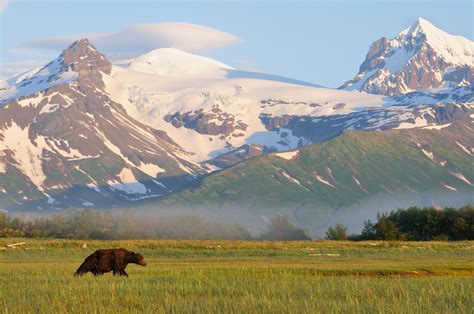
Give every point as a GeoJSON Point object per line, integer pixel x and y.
{"type": "Point", "coordinates": [420, 57]}
{"type": "Point", "coordinates": [70, 144]}
{"type": "Point", "coordinates": [81, 131]}
{"type": "Point", "coordinates": [317, 181]}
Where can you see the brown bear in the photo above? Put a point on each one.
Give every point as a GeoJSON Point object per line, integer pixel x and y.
{"type": "Point", "coordinates": [104, 261]}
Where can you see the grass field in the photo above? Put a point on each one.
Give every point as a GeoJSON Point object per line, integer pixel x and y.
{"type": "Point", "coordinates": [234, 276]}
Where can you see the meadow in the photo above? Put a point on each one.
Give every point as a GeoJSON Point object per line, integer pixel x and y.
{"type": "Point", "coordinates": [191, 276]}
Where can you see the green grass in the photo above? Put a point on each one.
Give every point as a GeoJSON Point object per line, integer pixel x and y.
{"type": "Point", "coordinates": [237, 276]}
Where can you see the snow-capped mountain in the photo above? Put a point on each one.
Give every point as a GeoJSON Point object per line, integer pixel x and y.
{"type": "Point", "coordinates": [420, 57]}
{"type": "Point", "coordinates": [214, 115]}
{"type": "Point", "coordinates": [73, 137]}
{"type": "Point", "coordinates": [83, 132]}
{"type": "Point", "coordinates": [173, 62]}
{"type": "Point", "coordinates": [209, 117]}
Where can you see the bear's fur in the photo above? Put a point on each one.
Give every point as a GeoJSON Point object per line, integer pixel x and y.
{"type": "Point", "coordinates": [104, 261]}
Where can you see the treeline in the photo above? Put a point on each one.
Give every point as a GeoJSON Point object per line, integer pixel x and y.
{"type": "Point", "coordinates": [414, 224]}
{"type": "Point", "coordinates": [88, 224]}
{"type": "Point", "coordinates": [411, 224]}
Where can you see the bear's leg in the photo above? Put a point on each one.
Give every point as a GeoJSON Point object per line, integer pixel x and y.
{"type": "Point", "coordinates": [116, 267]}
{"type": "Point", "coordinates": [117, 270]}
{"type": "Point", "coordinates": [123, 273]}
{"type": "Point", "coordinates": [93, 271]}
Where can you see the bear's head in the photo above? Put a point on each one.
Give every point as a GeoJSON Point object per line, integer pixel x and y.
{"type": "Point", "coordinates": [138, 259]}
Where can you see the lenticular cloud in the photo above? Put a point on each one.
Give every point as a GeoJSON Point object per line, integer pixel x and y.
{"type": "Point", "coordinates": [143, 37]}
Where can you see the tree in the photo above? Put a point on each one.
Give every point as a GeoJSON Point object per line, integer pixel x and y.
{"type": "Point", "coordinates": [368, 232]}
{"type": "Point", "coordinates": [281, 229]}
{"type": "Point", "coordinates": [385, 229]}
{"type": "Point", "coordinates": [338, 232]}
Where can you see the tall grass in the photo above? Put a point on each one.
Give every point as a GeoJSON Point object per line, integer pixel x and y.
{"type": "Point", "coordinates": [235, 276]}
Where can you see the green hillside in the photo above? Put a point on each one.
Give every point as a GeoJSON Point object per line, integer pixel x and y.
{"type": "Point", "coordinates": [344, 170]}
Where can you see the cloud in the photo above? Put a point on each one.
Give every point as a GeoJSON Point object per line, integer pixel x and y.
{"type": "Point", "coordinates": [8, 69]}
{"type": "Point", "coordinates": [28, 52]}
{"type": "Point", "coordinates": [23, 59]}
{"type": "Point", "coordinates": [3, 5]}
{"type": "Point", "coordinates": [145, 37]}
{"type": "Point", "coordinates": [248, 65]}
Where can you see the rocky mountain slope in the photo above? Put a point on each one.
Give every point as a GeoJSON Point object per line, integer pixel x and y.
{"type": "Point", "coordinates": [71, 145]}
{"type": "Point", "coordinates": [420, 57]}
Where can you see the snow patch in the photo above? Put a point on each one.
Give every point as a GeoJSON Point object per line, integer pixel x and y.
{"type": "Point", "coordinates": [294, 180]}
{"type": "Point", "coordinates": [150, 169]}
{"type": "Point", "coordinates": [323, 181]}
{"type": "Point", "coordinates": [49, 108]}
{"type": "Point", "coordinates": [160, 184]}
{"type": "Point", "coordinates": [128, 183]}
{"type": "Point", "coordinates": [464, 148]}
{"type": "Point", "coordinates": [449, 187]}
{"type": "Point", "coordinates": [27, 155]}
{"type": "Point", "coordinates": [461, 177]}
{"type": "Point", "coordinates": [360, 185]}
{"type": "Point", "coordinates": [31, 101]}
{"type": "Point", "coordinates": [288, 155]}
{"type": "Point", "coordinates": [437, 127]}
{"type": "Point", "coordinates": [428, 154]}
{"type": "Point", "coordinates": [419, 122]}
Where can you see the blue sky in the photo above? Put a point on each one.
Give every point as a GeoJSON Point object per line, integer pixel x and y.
{"type": "Point", "coordinates": [323, 42]}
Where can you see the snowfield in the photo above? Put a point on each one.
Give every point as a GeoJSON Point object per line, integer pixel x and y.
{"type": "Point", "coordinates": [150, 97]}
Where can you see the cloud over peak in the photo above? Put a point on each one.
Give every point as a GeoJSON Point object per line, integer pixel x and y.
{"type": "Point", "coordinates": [137, 38]}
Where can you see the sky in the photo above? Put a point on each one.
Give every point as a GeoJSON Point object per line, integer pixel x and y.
{"type": "Point", "coordinates": [322, 42]}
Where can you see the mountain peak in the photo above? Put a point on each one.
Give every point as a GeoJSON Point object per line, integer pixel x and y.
{"type": "Point", "coordinates": [83, 42]}
{"type": "Point", "coordinates": [421, 22]}
{"type": "Point", "coordinates": [83, 58]}
{"type": "Point", "coordinates": [82, 53]}
{"type": "Point", "coordinates": [421, 26]}
{"type": "Point", "coordinates": [79, 61]}
{"type": "Point", "coordinates": [173, 62]}
{"type": "Point", "coordinates": [456, 50]}
{"type": "Point", "coordinates": [422, 56]}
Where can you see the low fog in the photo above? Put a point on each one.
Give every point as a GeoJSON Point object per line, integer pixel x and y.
{"type": "Point", "coordinates": [244, 220]}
